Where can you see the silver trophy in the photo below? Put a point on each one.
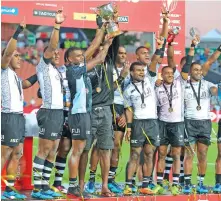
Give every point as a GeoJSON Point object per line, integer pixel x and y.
{"type": "Point", "coordinates": [106, 12]}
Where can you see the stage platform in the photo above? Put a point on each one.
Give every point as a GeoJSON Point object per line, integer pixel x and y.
{"type": "Point", "coordinates": [208, 197]}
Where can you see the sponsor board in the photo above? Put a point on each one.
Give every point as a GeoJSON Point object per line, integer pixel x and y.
{"type": "Point", "coordinates": [9, 10]}
{"type": "Point", "coordinates": [44, 13]}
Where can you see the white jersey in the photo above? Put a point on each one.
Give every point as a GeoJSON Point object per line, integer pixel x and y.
{"type": "Point", "coordinates": [50, 85]}
{"type": "Point", "coordinates": [12, 92]}
{"type": "Point", "coordinates": [132, 98]}
{"type": "Point", "coordinates": [118, 96]}
{"type": "Point", "coordinates": [177, 115]}
{"type": "Point", "coordinates": [190, 102]}
{"type": "Point", "coordinates": [66, 90]}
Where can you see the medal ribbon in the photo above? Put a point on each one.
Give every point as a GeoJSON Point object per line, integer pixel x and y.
{"type": "Point", "coordinates": [197, 97]}
{"type": "Point", "coordinates": [170, 96]}
{"type": "Point", "coordinates": [141, 94]}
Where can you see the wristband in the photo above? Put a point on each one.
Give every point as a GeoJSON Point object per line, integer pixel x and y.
{"type": "Point", "coordinates": [219, 48]}
{"type": "Point", "coordinates": [192, 45]}
{"type": "Point", "coordinates": [17, 32]}
{"type": "Point", "coordinates": [170, 44]}
{"type": "Point", "coordinates": [129, 125]}
{"type": "Point", "coordinates": [33, 79]}
{"type": "Point", "coordinates": [158, 52]}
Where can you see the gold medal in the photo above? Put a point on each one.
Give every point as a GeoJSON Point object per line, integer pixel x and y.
{"type": "Point", "coordinates": [98, 89]}
{"type": "Point", "coordinates": [170, 109]}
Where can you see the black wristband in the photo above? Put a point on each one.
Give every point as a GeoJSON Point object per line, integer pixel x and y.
{"type": "Point", "coordinates": [17, 32]}
{"type": "Point", "coordinates": [158, 52]}
{"type": "Point", "coordinates": [56, 28]}
{"type": "Point", "coordinates": [186, 66]}
{"type": "Point", "coordinates": [170, 44]}
{"type": "Point", "coordinates": [219, 48]}
{"type": "Point", "coordinates": [192, 45]}
{"type": "Point", "coordinates": [33, 79]}
{"type": "Point", "coordinates": [129, 125]}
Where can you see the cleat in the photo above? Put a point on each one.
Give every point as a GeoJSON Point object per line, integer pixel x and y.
{"type": "Point", "coordinates": [13, 195]}
{"type": "Point", "coordinates": [134, 189]}
{"type": "Point", "coordinates": [201, 189]}
{"type": "Point", "coordinates": [90, 187]}
{"type": "Point", "coordinates": [187, 189]}
{"type": "Point", "coordinates": [146, 191]}
{"type": "Point", "coordinates": [3, 197]}
{"type": "Point", "coordinates": [76, 192]}
{"type": "Point", "coordinates": [41, 196]}
{"type": "Point", "coordinates": [175, 190]}
{"type": "Point", "coordinates": [158, 190]}
{"type": "Point", "coordinates": [114, 187]}
{"type": "Point", "coordinates": [127, 190]}
{"type": "Point", "coordinates": [151, 186]}
{"type": "Point", "coordinates": [60, 189]}
{"type": "Point", "coordinates": [217, 188]}
{"type": "Point", "coordinates": [52, 193]}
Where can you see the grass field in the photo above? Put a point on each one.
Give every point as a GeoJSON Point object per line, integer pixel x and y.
{"type": "Point", "coordinates": [210, 175]}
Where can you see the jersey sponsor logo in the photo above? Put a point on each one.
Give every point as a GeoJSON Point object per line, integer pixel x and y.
{"type": "Point", "coordinates": [2, 137]}
{"type": "Point", "coordinates": [14, 140]}
{"type": "Point", "coordinates": [75, 130]}
{"type": "Point", "coordinates": [134, 141]}
{"type": "Point", "coordinates": [88, 132]}
{"type": "Point", "coordinates": [42, 131]}
{"type": "Point", "coordinates": [54, 134]}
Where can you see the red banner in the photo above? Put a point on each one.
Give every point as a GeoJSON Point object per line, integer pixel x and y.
{"type": "Point", "coordinates": [134, 15]}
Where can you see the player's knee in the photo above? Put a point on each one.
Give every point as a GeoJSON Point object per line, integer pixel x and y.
{"type": "Point", "coordinates": [176, 156]}
{"type": "Point", "coordinates": [17, 155]}
{"type": "Point", "coordinates": [202, 155]}
{"type": "Point", "coordinates": [134, 155]}
{"type": "Point", "coordinates": [162, 155]}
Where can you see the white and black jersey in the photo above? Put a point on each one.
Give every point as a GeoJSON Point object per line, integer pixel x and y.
{"type": "Point", "coordinates": [12, 92]}
{"type": "Point", "coordinates": [51, 87]}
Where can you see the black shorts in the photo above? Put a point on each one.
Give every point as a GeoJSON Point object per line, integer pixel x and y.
{"type": "Point", "coordinates": [144, 131]}
{"type": "Point", "coordinates": [13, 129]}
{"type": "Point", "coordinates": [50, 122]}
{"type": "Point", "coordinates": [66, 131]}
{"type": "Point", "coordinates": [171, 133]}
{"type": "Point", "coordinates": [80, 126]}
{"type": "Point", "coordinates": [198, 131]}
{"type": "Point", "coordinates": [119, 110]}
{"type": "Point", "coordinates": [219, 132]}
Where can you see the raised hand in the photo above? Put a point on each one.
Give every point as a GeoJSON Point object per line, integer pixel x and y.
{"type": "Point", "coordinates": [160, 41]}
{"type": "Point", "coordinates": [165, 13]}
{"type": "Point", "coordinates": [116, 14]}
{"type": "Point", "coordinates": [23, 24]}
{"type": "Point", "coordinates": [60, 16]}
{"type": "Point", "coordinates": [196, 40]}
{"type": "Point", "coordinates": [126, 69]}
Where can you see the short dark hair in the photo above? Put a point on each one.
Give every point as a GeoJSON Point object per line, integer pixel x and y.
{"type": "Point", "coordinates": [166, 67]}
{"type": "Point", "coordinates": [68, 52]}
{"type": "Point", "coordinates": [194, 63]}
{"type": "Point", "coordinates": [137, 63]}
{"type": "Point", "coordinates": [141, 47]}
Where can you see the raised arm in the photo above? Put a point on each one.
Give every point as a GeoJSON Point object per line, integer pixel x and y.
{"type": "Point", "coordinates": [11, 46]}
{"type": "Point", "coordinates": [53, 43]}
{"type": "Point", "coordinates": [206, 66]}
{"type": "Point", "coordinates": [100, 56]}
{"type": "Point", "coordinates": [156, 56]}
{"type": "Point", "coordinates": [189, 58]}
{"type": "Point", "coordinates": [95, 44]}
{"type": "Point", "coordinates": [170, 56]}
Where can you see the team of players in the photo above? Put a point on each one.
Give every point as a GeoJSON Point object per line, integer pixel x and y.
{"type": "Point", "coordinates": [155, 113]}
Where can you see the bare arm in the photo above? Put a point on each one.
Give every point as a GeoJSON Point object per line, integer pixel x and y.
{"type": "Point", "coordinates": [164, 31]}
{"type": "Point", "coordinates": [100, 56]}
{"type": "Point", "coordinates": [189, 58]}
{"type": "Point", "coordinates": [11, 47]}
{"type": "Point", "coordinates": [95, 43]}
{"type": "Point", "coordinates": [170, 56]}
{"type": "Point", "coordinates": [53, 43]}
{"type": "Point", "coordinates": [129, 118]}
{"type": "Point", "coordinates": [29, 81]}
{"type": "Point", "coordinates": [156, 56]}
{"type": "Point", "coordinates": [206, 66]}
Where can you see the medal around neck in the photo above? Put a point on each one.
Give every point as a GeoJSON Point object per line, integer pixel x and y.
{"type": "Point", "coordinates": [198, 107]}
{"type": "Point", "coordinates": [143, 105]}
{"type": "Point", "coordinates": [170, 109]}
{"type": "Point", "coordinates": [98, 89]}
